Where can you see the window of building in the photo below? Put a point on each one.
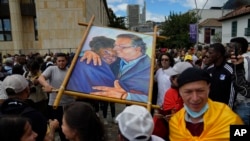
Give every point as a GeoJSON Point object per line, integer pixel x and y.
{"type": "Point", "coordinates": [5, 30]}
{"type": "Point", "coordinates": [248, 23]}
{"type": "Point", "coordinates": [35, 26]}
{"type": "Point", "coordinates": [212, 31]}
{"type": "Point", "coordinates": [4, 1]}
{"type": "Point", "coordinates": [234, 29]}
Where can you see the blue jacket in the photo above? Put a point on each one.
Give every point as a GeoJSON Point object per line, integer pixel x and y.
{"type": "Point", "coordinates": [84, 76]}
{"type": "Point", "coordinates": [136, 80]}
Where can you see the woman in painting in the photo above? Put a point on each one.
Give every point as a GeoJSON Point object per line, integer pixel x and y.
{"type": "Point", "coordinates": [85, 75]}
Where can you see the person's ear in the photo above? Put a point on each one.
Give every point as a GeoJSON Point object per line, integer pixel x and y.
{"type": "Point", "coordinates": [24, 94]}
{"type": "Point", "coordinates": [120, 137]}
{"type": "Point", "coordinates": [138, 49]}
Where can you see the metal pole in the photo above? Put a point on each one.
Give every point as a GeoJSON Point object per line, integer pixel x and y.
{"type": "Point", "coordinates": [197, 23]}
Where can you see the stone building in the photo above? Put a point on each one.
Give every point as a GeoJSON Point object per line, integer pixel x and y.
{"type": "Point", "coordinates": [47, 25]}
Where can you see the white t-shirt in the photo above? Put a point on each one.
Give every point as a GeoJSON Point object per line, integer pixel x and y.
{"type": "Point", "coordinates": [156, 138]}
{"type": "Point", "coordinates": [3, 94]}
{"type": "Point", "coordinates": [164, 83]}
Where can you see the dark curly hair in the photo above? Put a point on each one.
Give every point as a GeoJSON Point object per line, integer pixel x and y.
{"type": "Point", "coordinates": [82, 117]}
{"type": "Point", "coordinates": [101, 42]}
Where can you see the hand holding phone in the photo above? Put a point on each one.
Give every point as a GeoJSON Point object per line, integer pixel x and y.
{"type": "Point", "coordinates": [236, 51]}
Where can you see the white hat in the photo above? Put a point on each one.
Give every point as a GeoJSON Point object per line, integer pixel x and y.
{"type": "Point", "coordinates": [9, 60]}
{"type": "Point", "coordinates": [3, 94]}
{"type": "Point", "coordinates": [134, 122]}
{"type": "Point", "coordinates": [16, 82]}
{"type": "Point", "coordinates": [178, 68]}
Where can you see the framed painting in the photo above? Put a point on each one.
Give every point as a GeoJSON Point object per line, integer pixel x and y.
{"type": "Point", "coordinates": [112, 65]}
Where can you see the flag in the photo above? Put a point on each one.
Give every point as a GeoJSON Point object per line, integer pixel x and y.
{"type": "Point", "coordinates": [193, 33]}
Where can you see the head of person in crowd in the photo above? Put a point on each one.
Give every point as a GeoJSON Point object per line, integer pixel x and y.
{"type": "Point", "coordinates": [103, 46]}
{"type": "Point", "coordinates": [177, 69]}
{"type": "Point", "coordinates": [9, 61]}
{"type": "Point", "coordinates": [18, 91]}
{"type": "Point", "coordinates": [47, 58]}
{"type": "Point", "coordinates": [61, 60]}
{"type": "Point", "coordinates": [240, 43]}
{"type": "Point", "coordinates": [201, 118]}
{"type": "Point", "coordinates": [81, 123]}
{"type": "Point", "coordinates": [165, 60]}
{"type": "Point", "coordinates": [206, 61]}
{"type": "Point", "coordinates": [135, 123]}
{"type": "Point", "coordinates": [217, 54]}
{"type": "Point", "coordinates": [21, 59]}
{"type": "Point", "coordinates": [39, 59]}
{"type": "Point", "coordinates": [17, 69]}
{"type": "Point", "coordinates": [204, 50]}
{"type": "Point", "coordinates": [33, 66]}
{"type": "Point", "coordinates": [194, 88]}
{"type": "Point", "coordinates": [191, 51]}
{"type": "Point", "coordinates": [129, 47]}
{"type": "Point", "coordinates": [16, 128]}
{"type": "Point", "coordinates": [16, 86]}
{"type": "Point", "coordinates": [188, 58]}
{"type": "Point", "coordinates": [16, 58]}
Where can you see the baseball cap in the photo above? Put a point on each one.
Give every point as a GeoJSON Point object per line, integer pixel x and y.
{"type": "Point", "coordinates": [178, 68]}
{"type": "Point", "coordinates": [3, 94]}
{"type": "Point", "coordinates": [188, 57]}
{"type": "Point", "coordinates": [135, 123]}
{"type": "Point", "coordinates": [192, 75]}
{"type": "Point", "coordinates": [16, 82]}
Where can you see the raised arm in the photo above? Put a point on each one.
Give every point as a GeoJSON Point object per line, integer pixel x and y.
{"type": "Point", "coordinates": [241, 85]}
{"type": "Point", "coordinates": [46, 86]}
{"type": "Point", "coordinates": [91, 56]}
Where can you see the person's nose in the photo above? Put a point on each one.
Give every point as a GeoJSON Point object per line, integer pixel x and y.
{"type": "Point", "coordinates": [116, 47]}
{"type": "Point", "coordinates": [195, 96]}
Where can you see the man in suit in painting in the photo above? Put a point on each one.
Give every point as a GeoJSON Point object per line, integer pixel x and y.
{"type": "Point", "coordinates": [132, 70]}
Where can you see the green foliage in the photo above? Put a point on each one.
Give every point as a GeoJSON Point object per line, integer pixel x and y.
{"type": "Point", "coordinates": [116, 22]}
{"type": "Point", "coordinates": [176, 27]}
{"type": "Point", "coordinates": [217, 37]}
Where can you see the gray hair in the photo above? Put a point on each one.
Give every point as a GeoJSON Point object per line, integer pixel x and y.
{"type": "Point", "coordinates": [136, 41]}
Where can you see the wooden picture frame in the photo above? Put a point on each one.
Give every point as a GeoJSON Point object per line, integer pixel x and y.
{"type": "Point", "coordinates": [109, 82]}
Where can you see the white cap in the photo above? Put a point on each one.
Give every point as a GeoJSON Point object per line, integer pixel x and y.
{"type": "Point", "coordinates": [134, 122]}
{"type": "Point", "coordinates": [3, 94]}
{"type": "Point", "coordinates": [9, 60]}
{"type": "Point", "coordinates": [178, 68]}
{"type": "Point", "coordinates": [16, 82]}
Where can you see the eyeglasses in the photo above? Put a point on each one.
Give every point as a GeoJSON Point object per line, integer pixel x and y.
{"type": "Point", "coordinates": [122, 46]}
{"type": "Point", "coordinates": [165, 60]}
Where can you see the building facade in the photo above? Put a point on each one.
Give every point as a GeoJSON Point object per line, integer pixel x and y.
{"type": "Point", "coordinates": [210, 31]}
{"type": "Point", "coordinates": [236, 24]}
{"type": "Point", "coordinates": [207, 32]}
{"type": "Point", "coordinates": [47, 25]}
{"type": "Point", "coordinates": [133, 13]}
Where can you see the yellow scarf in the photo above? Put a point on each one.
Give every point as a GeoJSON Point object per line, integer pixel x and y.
{"type": "Point", "coordinates": [217, 120]}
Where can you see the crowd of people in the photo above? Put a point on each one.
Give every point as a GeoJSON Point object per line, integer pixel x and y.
{"type": "Point", "coordinates": [227, 83]}
{"type": "Point", "coordinates": [201, 92]}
